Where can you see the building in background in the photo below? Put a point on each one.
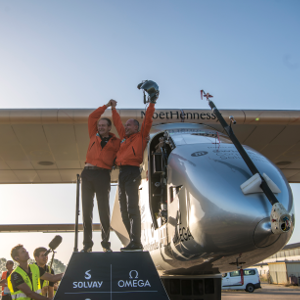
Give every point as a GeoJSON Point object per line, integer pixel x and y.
{"type": "Point", "coordinates": [283, 267]}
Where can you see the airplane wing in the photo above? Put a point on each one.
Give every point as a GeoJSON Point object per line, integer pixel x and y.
{"type": "Point", "coordinates": [49, 145]}
{"type": "Point", "coordinates": [8, 228]}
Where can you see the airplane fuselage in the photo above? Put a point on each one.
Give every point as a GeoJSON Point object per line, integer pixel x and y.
{"type": "Point", "coordinates": [195, 217]}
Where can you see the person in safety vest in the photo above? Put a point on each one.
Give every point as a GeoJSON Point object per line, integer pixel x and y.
{"type": "Point", "coordinates": [41, 260]}
{"type": "Point", "coordinates": [95, 177]}
{"type": "Point", "coordinates": [24, 281]}
{"type": "Point", "coordinates": [5, 290]}
{"type": "Point", "coordinates": [129, 159]}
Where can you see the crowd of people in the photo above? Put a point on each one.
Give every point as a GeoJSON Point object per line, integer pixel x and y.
{"type": "Point", "coordinates": [29, 281]}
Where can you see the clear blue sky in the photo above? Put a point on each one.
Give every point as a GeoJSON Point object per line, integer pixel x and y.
{"type": "Point", "coordinates": [79, 54]}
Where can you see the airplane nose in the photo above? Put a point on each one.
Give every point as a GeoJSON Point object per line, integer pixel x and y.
{"type": "Point", "coordinates": [263, 236]}
{"type": "Point", "coordinates": [212, 205]}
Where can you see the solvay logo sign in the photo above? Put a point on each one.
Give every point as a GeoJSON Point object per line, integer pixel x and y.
{"type": "Point", "coordinates": [87, 275]}
{"type": "Point", "coordinates": [134, 281]}
{"type": "Point", "coordinates": [89, 284]}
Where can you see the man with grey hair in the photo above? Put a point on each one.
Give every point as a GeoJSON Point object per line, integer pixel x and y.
{"type": "Point", "coordinates": [129, 158]}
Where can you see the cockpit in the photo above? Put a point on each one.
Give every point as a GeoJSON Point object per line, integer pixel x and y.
{"type": "Point", "coordinates": [161, 145]}
{"type": "Point", "coordinates": [196, 137]}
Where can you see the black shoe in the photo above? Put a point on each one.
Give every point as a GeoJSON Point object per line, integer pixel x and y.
{"type": "Point", "coordinates": [133, 247]}
{"type": "Point", "coordinates": [106, 246]}
{"type": "Point", "coordinates": [86, 250]}
{"type": "Point", "coordinates": [106, 249]}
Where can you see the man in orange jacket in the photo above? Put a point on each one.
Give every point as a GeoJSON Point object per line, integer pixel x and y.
{"type": "Point", "coordinates": [95, 176]}
{"type": "Point", "coordinates": [129, 159]}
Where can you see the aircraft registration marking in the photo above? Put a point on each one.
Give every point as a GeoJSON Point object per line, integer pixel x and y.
{"type": "Point", "coordinates": [182, 233]}
{"type": "Point", "coordinates": [232, 153]}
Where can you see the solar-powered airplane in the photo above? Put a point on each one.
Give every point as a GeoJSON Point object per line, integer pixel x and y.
{"type": "Point", "coordinates": [204, 209]}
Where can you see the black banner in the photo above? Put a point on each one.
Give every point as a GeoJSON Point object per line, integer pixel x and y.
{"type": "Point", "coordinates": [111, 276]}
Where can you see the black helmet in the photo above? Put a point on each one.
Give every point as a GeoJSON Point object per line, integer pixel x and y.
{"type": "Point", "coordinates": [151, 88]}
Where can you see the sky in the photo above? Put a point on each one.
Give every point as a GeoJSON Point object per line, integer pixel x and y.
{"type": "Point", "coordinates": [80, 54]}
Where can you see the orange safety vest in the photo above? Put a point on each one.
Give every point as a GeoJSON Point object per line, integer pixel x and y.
{"type": "Point", "coordinates": [6, 292]}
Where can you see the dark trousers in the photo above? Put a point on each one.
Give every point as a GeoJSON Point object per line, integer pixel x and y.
{"type": "Point", "coordinates": [6, 297]}
{"type": "Point", "coordinates": [129, 181]}
{"type": "Point", "coordinates": [95, 181]}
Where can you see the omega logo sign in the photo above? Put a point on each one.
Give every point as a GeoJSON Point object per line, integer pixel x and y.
{"type": "Point", "coordinates": [87, 284]}
{"type": "Point", "coordinates": [133, 281]}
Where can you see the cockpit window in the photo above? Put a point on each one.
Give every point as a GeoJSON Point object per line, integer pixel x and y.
{"type": "Point", "coordinates": [195, 137]}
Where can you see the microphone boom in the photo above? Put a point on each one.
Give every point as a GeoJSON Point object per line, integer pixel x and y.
{"type": "Point", "coordinates": [54, 244]}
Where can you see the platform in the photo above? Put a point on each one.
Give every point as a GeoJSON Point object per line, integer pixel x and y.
{"type": "Point", "coordinates": [111, 276]}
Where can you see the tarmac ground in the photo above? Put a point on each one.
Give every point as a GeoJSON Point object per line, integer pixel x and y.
{"type": "Point", "coordinates": [267, 292]}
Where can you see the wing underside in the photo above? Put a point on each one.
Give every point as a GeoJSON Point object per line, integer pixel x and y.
{"type": "Point", "coordinates": [49, 146]}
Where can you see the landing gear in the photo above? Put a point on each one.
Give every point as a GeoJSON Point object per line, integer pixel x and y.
{"type": "Point", "coordinates": [206, 287]}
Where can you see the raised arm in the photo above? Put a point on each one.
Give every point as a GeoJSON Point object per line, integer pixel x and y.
{"type": "Point", "coordinates": [94, 117]}
{"type": "Point", "coordinates": [117, 120]}
{"type": "Point", "coordinates": [147, 123]}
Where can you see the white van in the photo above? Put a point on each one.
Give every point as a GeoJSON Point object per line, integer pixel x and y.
{"type": "Point", "coordinates": [234, 281]}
